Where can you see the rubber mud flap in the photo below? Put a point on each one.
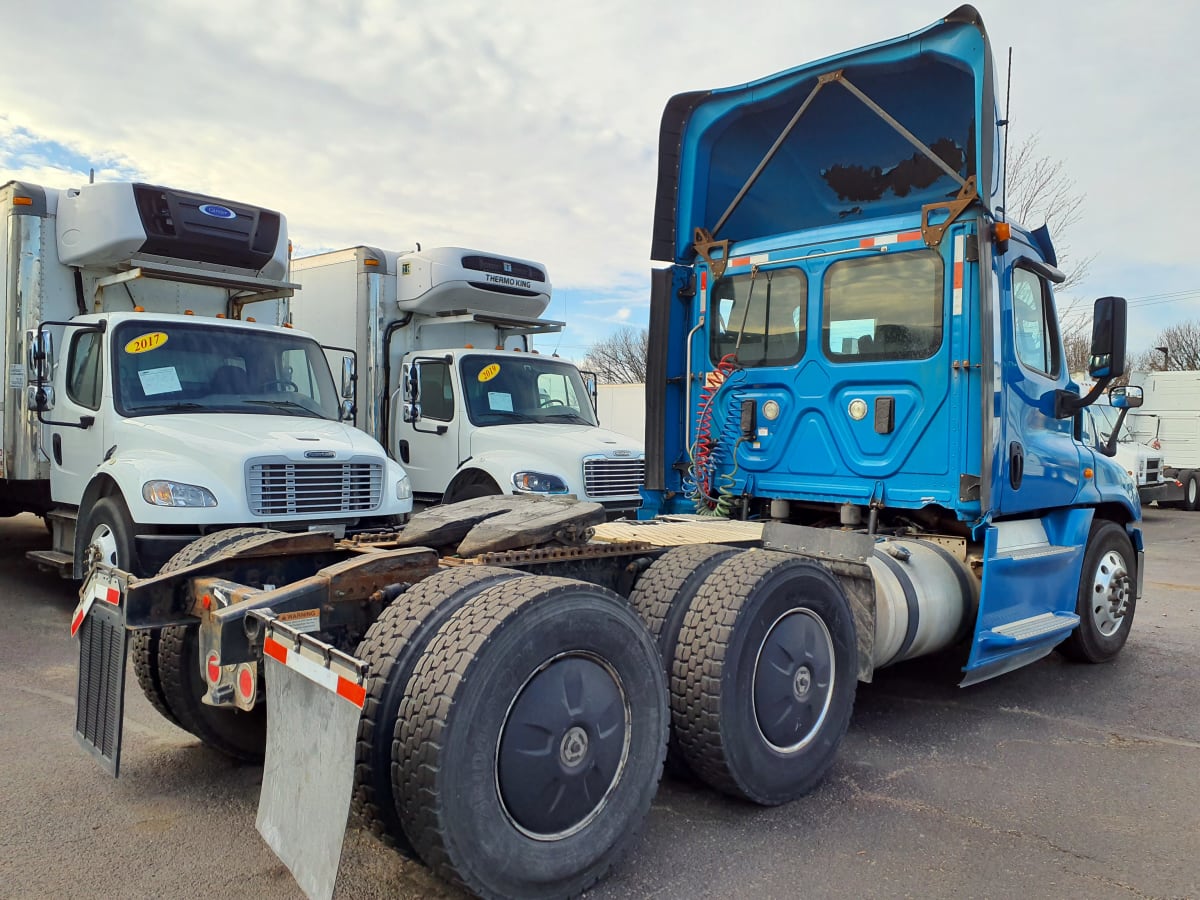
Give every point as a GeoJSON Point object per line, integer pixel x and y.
{"type": "Point", "coordinates": [308, 776]}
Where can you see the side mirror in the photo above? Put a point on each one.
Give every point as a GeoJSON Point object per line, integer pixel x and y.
{"type": "Point", "coordinates": [591, 382]}
{"type": "Point", "coordinates": [1125, 397]}
{"type": "Point", "coordinates": [412, 412]}
{"type": "Point", "coordinates": [39, 398]}
{"type": "Point", "coordinates": [346, 410]}
{"type": "Point", "coordinates": [349, 377]}
{"type": "Point", "coordinates": [40, 354]}
{"type": "Point", "coordinates": [1107, 357]}
{"type": "Point", "coordinates": [412, 384]}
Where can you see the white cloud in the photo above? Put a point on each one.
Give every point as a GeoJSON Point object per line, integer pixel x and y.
{"type": "Point", "coordinates": [531, 128]}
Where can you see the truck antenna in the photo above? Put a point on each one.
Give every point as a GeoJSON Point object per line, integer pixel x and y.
{"type": "Point", "coordinates": [1004, 122]}
{"type": "Point", "coordinates": [91, 176]}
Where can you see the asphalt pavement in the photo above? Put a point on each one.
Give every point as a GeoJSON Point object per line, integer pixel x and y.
{"type": "Point", "coordinates": [1058, 780]}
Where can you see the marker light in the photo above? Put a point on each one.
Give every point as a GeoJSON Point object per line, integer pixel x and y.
{"type": "Point", "coordinates": [770, 410]}
{"type": "Point", "coordinates": [22, 201]}
{"type": "Point", "coordinates": [251, 319]}
{"type": "Point", "coordinates": [139, 309]}
{"type": "Point", "coordinates": [188, 312]}
{"type": "Point", "coordinates": [370, 262]}
{"type": "Point", "coordinates": [212, 668]}
{"type": "Point", "coordinates": [1088, 473]}
{"type": "Point", "coordinates": [220, 315]}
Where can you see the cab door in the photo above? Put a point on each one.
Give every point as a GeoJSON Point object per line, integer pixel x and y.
{"type": "Point", "coordinates": [428, 447]}
{"type": "Point", "coordinates": [1040, 462]}
{"type": "Point", "coordinates": [80, 389]}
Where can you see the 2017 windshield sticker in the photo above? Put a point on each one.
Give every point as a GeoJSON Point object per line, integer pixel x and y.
{"type": "Point", "coordinates": [149, 341]}
{"type": "Point", "coordinates": [490, 371]}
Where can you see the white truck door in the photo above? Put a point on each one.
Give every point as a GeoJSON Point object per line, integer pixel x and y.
{"type": "Point", "coordinates": [428, 448]}
{"type": "Point", "coordinates": [79, 395]}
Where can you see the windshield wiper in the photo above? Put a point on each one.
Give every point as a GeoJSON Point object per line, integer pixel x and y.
{"type": "Point", "coordinates": [169, 407]}
{"type": "Point", "coordinates": [287, 404]}
{"type": "Point", "coordinates": [504, 413]}
{"type": "Point", "coordinates": [574, 417]}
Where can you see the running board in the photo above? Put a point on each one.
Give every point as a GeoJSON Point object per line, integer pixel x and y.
{"type": "Point", "coordinates": [1034, 630]}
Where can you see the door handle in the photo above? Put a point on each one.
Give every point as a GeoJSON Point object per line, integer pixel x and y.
{"type": "Point", "coordinates": [1016, 464]}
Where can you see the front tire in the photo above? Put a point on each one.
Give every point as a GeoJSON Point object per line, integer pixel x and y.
{"type": "Point", "coordinates": [1191, 491]}
{"type": "Point", "coordinates": [531, 738]}
{"type": "Point", "coordinates": [764, 676]}
{"type": "Point", "coordinates": [1106, 600]}
{"type": "Point", "coordinates": [108, 532]}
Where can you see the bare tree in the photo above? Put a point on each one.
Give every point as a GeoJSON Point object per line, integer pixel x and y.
{"type": "Point", "coordinates": [1181, 343]}
{"type": "Point", "coordinates": [1040, 191]}
{"type": "Point", "coordinates": [1078, 347]}
{"type": "Point", "coordinates": [620, 358]}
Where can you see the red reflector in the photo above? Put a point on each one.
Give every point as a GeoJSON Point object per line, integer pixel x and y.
{"type": "Point", "coordinates": [275, 650]}
{"type": "Point", "coordinates": [355, 693]}
{"type": "Point", "coordinates": [246, 683]}
{"type": "Point", "coordinates": [76, 622]}
{"type": "Point", "coordinates": [214, 667]}
{"type": "Point", "coordinates": [113, 596]}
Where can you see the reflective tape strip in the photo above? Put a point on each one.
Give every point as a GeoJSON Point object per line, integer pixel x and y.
{"type": "Point", "coordinates": [316, 672]}
{"type": "Point", "coordinates": [959, 241]}
{"type": "Point", "coordinates": [882, 240]}
{"type": "Point", "coordinates": [759, 259]}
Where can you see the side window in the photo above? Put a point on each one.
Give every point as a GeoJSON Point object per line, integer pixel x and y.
{"type": "Point", "coordinates": [883, 307]}
{"type": "Point", "coordinates": [85, 375]}
{"type": "Point", "coordinates": [437, 392]}
{"type": "Point", "coordinates": [760, 317]}
{"type": "Point", "coordinates": [1035, 331]}
{"type": "Point", "coordinates": [298, 370]}
{"type": "Point", "coordinates": [555, 389]}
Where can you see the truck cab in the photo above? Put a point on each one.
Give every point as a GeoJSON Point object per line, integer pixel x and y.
{"type": "Point", "coordinates": [147, 405]}
{"type": "Point", "coordinates": [853, 334]}
{"type": "Point", "coordinates": [452, 385]}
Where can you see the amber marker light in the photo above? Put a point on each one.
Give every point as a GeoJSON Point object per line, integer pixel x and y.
{"type": "Point", "coordinates": [22, 201]}
{"type": "Point", "coordinates": [370, 262]}
{"type": "Point", "coordinates": [188, 312]}
{"type": "Point", "coordinates": [139, 309]}
{"type": "Point", "coordinates": [1088, 473]}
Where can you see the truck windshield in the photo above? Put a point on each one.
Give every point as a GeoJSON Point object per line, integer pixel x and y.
{"type": "Point", "coordinates": [1106, 421]}
{"type": "Point", "coordinates": [502, 390]}
{"type": "Point", "coordinates": [167, 367]}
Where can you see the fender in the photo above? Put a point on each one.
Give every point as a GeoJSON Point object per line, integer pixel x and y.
{"type": "Point", "coordinates": [500, 465]}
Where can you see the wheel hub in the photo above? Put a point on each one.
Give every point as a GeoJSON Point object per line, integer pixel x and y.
{"type": "Point", "coordinates": [103, 546]}
{"type": "Point", "coordinates": [562, 747]}
{"type": "Point", "coordinates": [793, 680]}
{"type": "Point", "coordinates": [1111, 588]}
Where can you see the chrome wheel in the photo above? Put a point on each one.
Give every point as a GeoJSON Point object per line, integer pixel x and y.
{"type": "Point", "coordinates": [1111, 589]}
{"type": "Point", "coordinates": [103, 546]}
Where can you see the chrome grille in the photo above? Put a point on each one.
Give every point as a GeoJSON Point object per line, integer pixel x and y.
{"type": "Point", "coordinates": [288, 488]}
{"type": "Point", "coordinates": [1153, 469]}
{"type": "Point", "coordinates": [613, 477]}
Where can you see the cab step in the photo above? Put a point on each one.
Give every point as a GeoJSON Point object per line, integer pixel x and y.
{"type": "Point", "coordinates": [1034, 630]}
{"type": "Point", "coordinates": [53, 561]}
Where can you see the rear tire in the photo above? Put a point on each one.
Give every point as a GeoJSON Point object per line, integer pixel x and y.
{"type": "Point", "coordinates": [1105, 603]}
{"type": "Point", "coordinates": [145, 642]}
{"type": "Point", "coordinates": [764, 676]}
{"type": "Point", "coordinates": [234, 732]}
{"type": "Point", "coordinates": [1191, 490]}
{"type": "Point", "coordinates": [539, 686]}
{"type": "Point", "coordinates": [662, 596]}
{"type": "Point", "coordinates": [390, 649]}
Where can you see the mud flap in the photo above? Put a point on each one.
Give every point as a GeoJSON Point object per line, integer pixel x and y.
{"type": "Point", "coordinates": [314, 701]}
{"type": "Point", "coordinates": [99, 624]}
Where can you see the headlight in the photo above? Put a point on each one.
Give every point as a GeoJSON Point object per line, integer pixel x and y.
{"type": "Point", "coordinates": [404, 488]}
{"type": "Point", "coordinates": [172, 493]}
{"type": "Point", "coordinates": [539, 483]}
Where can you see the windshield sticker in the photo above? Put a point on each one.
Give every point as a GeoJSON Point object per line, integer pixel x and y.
{"type": "Point", "coordinates": [490, 371]}
{"type": "Point", "coordinates": [500, 402]}
{"type": "Point", "coordinates": [144, 342]}
{"type": "Point", "coordinates": [159, 381]}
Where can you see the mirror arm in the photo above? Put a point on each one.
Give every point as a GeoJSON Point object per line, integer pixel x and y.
{"type": "Point", "coordinates": [1067, 403]}
{"type": "Point", "coordinates": [1110, 448]}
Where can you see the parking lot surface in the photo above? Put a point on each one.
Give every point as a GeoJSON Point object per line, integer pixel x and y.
{"type": "Point", "coordinates": [1058, 780]}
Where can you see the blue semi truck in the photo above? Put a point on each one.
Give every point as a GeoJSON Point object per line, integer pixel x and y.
{"type": "Point", "coordinates": [863, 446]}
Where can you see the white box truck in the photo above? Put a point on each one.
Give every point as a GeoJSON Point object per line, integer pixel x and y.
{"type": "Point", "coordinates": [1169, 421]}
{"type": "Point", "coordinates": [450, 383]}
{"type": "Point", "coordinates": [139, 412]}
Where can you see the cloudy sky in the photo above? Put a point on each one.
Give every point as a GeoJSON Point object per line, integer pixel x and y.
{"type": "Point", "coordinates": [530, 128]}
